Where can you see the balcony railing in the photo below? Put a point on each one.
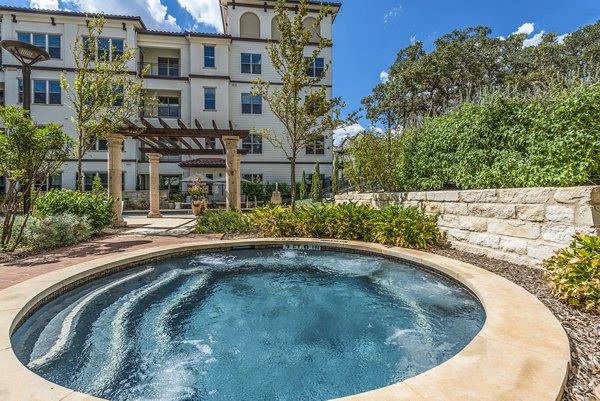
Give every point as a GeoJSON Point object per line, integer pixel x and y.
{"type": "Point", "coordinates": [161, 69]}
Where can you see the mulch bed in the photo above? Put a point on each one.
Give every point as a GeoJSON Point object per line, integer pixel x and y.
{"type": "Point", "coordinates": [582, 327]}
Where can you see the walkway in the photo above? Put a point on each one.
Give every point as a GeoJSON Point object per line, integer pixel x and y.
{"type": "Point", "coordinates": [171, 225]}
{"type": "Point", "coordinates": [20, 270]}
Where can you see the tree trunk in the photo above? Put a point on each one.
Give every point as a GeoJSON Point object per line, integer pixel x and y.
{"type": "Point", "coordinates": [293, 179]}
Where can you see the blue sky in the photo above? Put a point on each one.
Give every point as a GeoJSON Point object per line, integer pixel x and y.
{"type": "Point", "coordinates": [367, 33]}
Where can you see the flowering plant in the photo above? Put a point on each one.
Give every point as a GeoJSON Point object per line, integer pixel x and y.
{"type": "Point", "coordinates": [198, 189]}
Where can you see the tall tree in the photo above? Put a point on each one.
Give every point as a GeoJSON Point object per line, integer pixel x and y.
{"type": "Point", "coordinates": [335, 179]}
{"type": "Point", "coordinates": [316, 188]}
{"type": "Point", "coordinates": [303, 189]}
{"type": "Point", "coordinates": [104, 94]}
{"type": "Point", "coordinates": [301, 102]}
{"type": "Point", "coordinates": [29, 154]}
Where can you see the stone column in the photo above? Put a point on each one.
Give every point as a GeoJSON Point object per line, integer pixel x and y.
{"type": "Point", "coordinates": [154, 159]}
{"type": "Point", "coordinates": [238, 162]}
{"type": "Point", "coordinates": [232, 173]}
{"type": "Point", "coordinates": [115, 176]}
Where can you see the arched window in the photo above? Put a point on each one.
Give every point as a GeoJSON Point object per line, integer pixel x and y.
{"type": "Point", "coordinates": [275, 32]}
{"type": "Point", "coordinates": [316, 32]}
{"type": "Point", "coordinates": [250, 26]}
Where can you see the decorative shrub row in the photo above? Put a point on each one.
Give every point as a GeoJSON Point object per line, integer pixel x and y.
{"type": "Point", "coordinates": [573, 274]}
{"type": "Point", "coordinates": [94, 206]}
{"type": "Point", "coordinates": [223, 222]}
{"type": "Point", "coordinates": [551, 138]}
{"type": "Point", "coordinates": [394, 225]}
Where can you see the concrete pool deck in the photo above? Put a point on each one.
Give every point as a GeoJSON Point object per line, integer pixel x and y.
{"type": "Point", "coordinates": [522, 352]}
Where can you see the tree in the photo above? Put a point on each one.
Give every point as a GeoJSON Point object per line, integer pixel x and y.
{"type": "Point", "coordinates": [316, 189]}
{"type": "Point", "coordinates": [335, 180]}
{"type": "Point", "coordinates": [300, 103]}
{"type": "Point", "coordinates": [104, 94]}
{"type": "Point", "coordinates": [303, 189]}
{"type": "Point", "coordinates": [29, 154]}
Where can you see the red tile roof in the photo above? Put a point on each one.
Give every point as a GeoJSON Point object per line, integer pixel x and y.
{"type": "Point", "coordinates": [203, 162]}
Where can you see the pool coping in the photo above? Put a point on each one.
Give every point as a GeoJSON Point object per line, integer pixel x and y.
{"type": "Point", "coordinates": [521, 353]}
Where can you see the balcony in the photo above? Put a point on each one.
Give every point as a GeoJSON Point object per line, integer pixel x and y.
{"type": "Point", "coordinates": [162, 70]}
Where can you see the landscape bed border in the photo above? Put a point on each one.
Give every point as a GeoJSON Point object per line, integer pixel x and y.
{"type": "Point", "coordinates": [521, 353]}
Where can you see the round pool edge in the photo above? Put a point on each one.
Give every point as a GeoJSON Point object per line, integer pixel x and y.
{"type": "Point", "coordinates": [521, 353]}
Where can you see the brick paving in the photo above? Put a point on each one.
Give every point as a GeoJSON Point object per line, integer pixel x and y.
{"type": "Point", "coordinates": [19, 270]}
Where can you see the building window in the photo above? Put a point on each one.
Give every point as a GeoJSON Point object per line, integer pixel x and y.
{"type": "Point", "coordinates": [317, 147]}
{"type": "Point", "coordinates": [251, 63]}
{"type": "Point", "coordinates": [50, 43]}
{"type": "Point", "coordinates": [251, 104]}
{"type": "Point", "coordinates": [118, 100]}
{"type": "Point", "coordinates": [20, 89]}
{"type": "Point", "coordinates": [168, 67]}
{"type": "Point", "coordinates": [107, 48]}
{"type": "Point", "coordinates": [55, 182]}
{"type": "Point", "coordinates": [252, 143]}
{"type": "Point", "coordinates": [258, 178]}
{"type": "Point", "coordinates": [209, 57]}
{"type": "Point", "coordinates": [89, 180]}
{"type": "Point", "coordinates": [316, 68]}
{"type": "Point", "coordinates": [100, 146]}
{"type": "Point", "coordinates": [210, 99]}
{"type": "Point", "coordinates": [168, 107]}
{"type": "Point", "coordinates": [44, 92]}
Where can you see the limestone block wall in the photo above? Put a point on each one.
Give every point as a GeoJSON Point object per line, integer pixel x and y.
{"type": "Point", "coordinates": [135, 198]}
{"type": "Point", "coordinates": [522, 226]}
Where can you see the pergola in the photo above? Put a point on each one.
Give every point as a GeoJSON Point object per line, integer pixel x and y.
{"type": "Point", "coordinates": [180, 140]}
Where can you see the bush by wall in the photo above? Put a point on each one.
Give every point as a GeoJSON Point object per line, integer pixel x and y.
{"type": "Point", "coordinates": [551, 138]}
{"type": "Point", "coordinates": [394, 225]}
{"type": "Point", "coordinates": [573, 274]}
{"type": "Point", "coordinates": [223, 222]}
{"type": "Point", "coordinates": [96, 207]}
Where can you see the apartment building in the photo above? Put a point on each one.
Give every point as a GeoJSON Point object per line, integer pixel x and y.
{"type": "Point", "coordinates": [195, 76]}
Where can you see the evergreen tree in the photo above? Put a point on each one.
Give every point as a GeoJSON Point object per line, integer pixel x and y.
{"type": "Point", "coordinates": [316, 187]}
{"type": "Point", "coordinates": [335, 180]}
{"type": "Point", "coordinates": [303, 189]}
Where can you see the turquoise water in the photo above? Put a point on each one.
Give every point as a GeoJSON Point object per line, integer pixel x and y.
{"type": "Point", "coordinates": [250, 325]}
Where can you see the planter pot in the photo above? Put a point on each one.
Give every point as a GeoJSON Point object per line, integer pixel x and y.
{"type": "Point", "coordinates": [177, 205]}
{"type": "Point", "coordinates": [171, 205]}
{"type": "Point", "coordinates": [198, 206]}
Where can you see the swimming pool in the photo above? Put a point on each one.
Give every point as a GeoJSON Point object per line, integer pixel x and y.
{"type": "Point", "coordinates": [265, 324]}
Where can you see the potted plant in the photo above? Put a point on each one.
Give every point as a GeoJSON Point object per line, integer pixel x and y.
{"type": "Point", "coordinates": [198, 192]}
{"type": "Point", "coordinates": [177, 199]}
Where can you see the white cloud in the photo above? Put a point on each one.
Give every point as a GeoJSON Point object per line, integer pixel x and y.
{"type": "Point", "coordinates": [527, 29]}
{"type": "Point", "coordinates": [384, 76]}
{"type": "Point", "coordinates": [44, 4]}
{"type": "Point", "coordinates": [391, 14]}
{"type": "Point", "coordinates": [153, 12]}
{"type": "Point", "coordinates": [561, 38]}
{"type": "Point", "coordinates": [205, 12]}
{"type": "Point", "coordinates": [341, 134]}
{"type": "Point", "coordinates": [536, 40]}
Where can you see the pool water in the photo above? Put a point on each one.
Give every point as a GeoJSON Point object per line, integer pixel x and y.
{"type": "Point", "coordinates": [270, 324]}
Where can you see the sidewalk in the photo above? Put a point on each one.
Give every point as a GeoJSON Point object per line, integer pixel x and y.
{"type": "Point", "coordinates": [17, 271]}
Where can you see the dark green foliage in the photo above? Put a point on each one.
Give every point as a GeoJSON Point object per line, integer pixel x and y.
{"type": "Point", "coordinates": [303, 189]}
{"type": "Point", "coordinates": [394, 225]}
{"type": "Point", "coordinates": [573, 274]}
{"type": "Point", "coordinates": [222, 222]}
{"type": "Point", "coordinates": [551, 138]}
{"type": "Point", "coordinates": [96, 207]}
{"type": "Point", "coordinates": [253, 190]}
{"type": "Point", "coordinates": [316, 188]}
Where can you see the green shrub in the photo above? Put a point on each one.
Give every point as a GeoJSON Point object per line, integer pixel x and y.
{"type": "Point", "coordinates": [55, 231]}
{"type": "Point", "coordinates": [394, 225]}
{"type": "Point", "coordinates": [550, 138]}
{"type": "Point", "coordinates": [573, 274]}
{"type": "Point", "coordinates": [96, 207]}
{"type": "Point", "coordinates": [223, 222]}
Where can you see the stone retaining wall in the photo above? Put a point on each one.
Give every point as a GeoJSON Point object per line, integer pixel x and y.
{"type": "Point", "coordinates": [135, 198]}
{"type": "Point", "coordinates": [522, 226]}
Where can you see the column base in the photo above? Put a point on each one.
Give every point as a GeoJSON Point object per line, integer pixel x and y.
{"type": "Point", "coordinates": [119, 223]}
{"type": "Point", "coordinates": [153, 215]}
